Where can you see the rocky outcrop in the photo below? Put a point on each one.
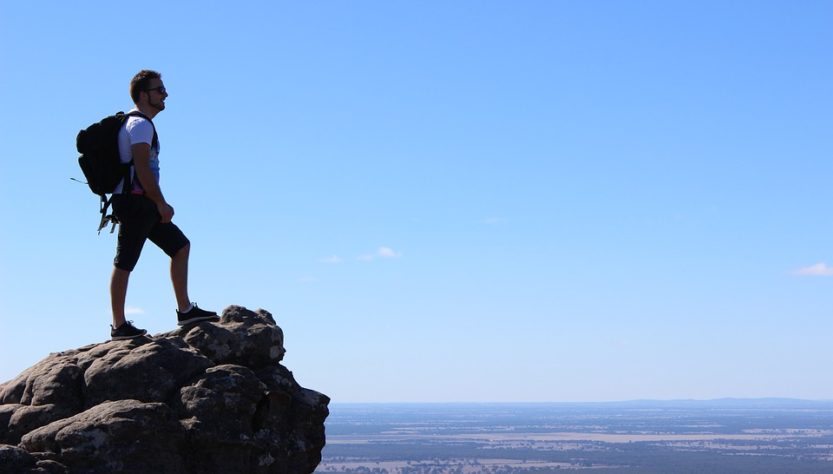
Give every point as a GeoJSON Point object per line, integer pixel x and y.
{"type": "Point", "coordinates": [208, 398]}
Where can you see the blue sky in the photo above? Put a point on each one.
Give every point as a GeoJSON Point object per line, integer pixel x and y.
{"type": "Point", "coordinates": [447, 201]}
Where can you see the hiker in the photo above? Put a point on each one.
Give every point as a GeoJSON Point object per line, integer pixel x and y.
{"type": "Point", "coordinates": [143, 213]}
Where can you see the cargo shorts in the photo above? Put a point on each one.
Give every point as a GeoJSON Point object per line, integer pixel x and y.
{"type": "Point", "coordinates": [139, 220]}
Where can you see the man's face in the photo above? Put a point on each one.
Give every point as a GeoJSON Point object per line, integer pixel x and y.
{"type": "Point", "coordinates": [156, 94]}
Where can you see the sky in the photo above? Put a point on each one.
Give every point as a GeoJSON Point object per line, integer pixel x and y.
{"type": "Point", "coordinates": [447, 201]}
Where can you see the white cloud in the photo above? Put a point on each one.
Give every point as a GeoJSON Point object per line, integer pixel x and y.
{"type": "Point", "coordinates": [381, 252]}
{"type": "Point", "coordinates": [387, 252]}
{"type": "Point", "coordinates": [131, 310]}
{"type": "Point", "coordinates": [819, 269]}
{"type": "Point", "coordinates": [332, 260]}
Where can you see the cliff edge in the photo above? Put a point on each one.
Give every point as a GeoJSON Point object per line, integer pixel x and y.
{"type": "Point", "coordinates": [207, 398]}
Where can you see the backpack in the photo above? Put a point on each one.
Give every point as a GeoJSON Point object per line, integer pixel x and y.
{"type": "Point", "coordinates": [100, 161]}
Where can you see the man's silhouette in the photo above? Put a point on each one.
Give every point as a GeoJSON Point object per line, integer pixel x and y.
{"type": "Point", "coordinates": [142, 211]}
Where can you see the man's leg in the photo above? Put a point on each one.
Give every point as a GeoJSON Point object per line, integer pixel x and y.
{"type": "Point", "coordinates": [170, 239]}
{"type": "Point", "coordinates": [136, 221]}
{"type": "Point", "coordinates": [179, 277]}
{"type": "Point", "coordinates": [121, 329]}
{"type": "Point", "coordinates": [118, 294]}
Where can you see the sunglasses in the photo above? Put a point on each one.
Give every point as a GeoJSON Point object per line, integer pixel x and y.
{"type": "Point", "coordinates": [160, 89]}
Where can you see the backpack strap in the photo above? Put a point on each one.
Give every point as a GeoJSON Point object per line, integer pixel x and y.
{"type": "Point", "coordinates": [107, 218]}
{"type": "Point", "coordinates": [128, 178]}
{"type": "Point", "coordinates": [136, 113]}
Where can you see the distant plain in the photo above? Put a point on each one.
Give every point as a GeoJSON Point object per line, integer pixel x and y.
{"type": "Point", "coordinates": [721, 436]}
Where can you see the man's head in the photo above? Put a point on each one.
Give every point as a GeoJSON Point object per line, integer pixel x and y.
{"type": "Point", "coordinates": [147, 90]}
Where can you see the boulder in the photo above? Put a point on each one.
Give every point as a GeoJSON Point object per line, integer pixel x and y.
{"type": "Point", "coordinates": [208, 398]}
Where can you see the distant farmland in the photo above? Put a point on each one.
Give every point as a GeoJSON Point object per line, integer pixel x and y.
{"type": "Point", "coordinates": [705, 437]}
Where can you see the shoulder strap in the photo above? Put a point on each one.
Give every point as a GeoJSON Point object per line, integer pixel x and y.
{"type": "Point", "coordinates": [136, 113]}
{"type": "Point", "coordinates": [128, 182]}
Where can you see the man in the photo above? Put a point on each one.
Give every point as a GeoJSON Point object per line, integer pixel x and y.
{"type": "Point", "coordinates": [142, 211]}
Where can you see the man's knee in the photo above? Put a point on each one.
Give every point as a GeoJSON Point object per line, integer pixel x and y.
{"type": "Point", "coordinates": [121, 273]}
{"type": "Point", "coordinates": [119, 278]}
{"type": "Point", "coordinates": [184, 251]}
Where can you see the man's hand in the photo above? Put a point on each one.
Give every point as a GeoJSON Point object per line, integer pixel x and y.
{"type": "Point", "coordinates": [166, 211]}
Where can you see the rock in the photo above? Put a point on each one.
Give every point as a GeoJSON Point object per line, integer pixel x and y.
{"type": "Point", "coordinates": [25, 418]}
{"type": "Point", "coordinates": [209, 398]}
{"type": "Point", "coordinates": [246, 338]}
{"type": "Point", "coordinates": [125, 436]}
{"type": "Point", "coordinates": [233, 390]}
{"type": "Point", "coordinates": [150, 372]}
{"type": "Point", "coordinates": [14, 460]}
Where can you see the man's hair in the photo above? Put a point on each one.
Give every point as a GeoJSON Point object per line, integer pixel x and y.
{"type": "Point", "coordinates": [141, 81]}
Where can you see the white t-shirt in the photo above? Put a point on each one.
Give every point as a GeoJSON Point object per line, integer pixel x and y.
{"type": "Point", "coordinates": [137, 130]}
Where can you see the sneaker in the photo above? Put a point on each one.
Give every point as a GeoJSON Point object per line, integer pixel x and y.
{"type": "Point", "coordinates": [194, 315]}
{"type": "Point", "coordinates": [126, 331]}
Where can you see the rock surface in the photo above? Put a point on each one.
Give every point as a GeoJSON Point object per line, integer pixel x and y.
{"type": "Point", "coordinates": [208, 398]}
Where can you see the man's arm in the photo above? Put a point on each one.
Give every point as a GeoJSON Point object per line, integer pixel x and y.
{"type": "Point", "coordinates": [141, 163]}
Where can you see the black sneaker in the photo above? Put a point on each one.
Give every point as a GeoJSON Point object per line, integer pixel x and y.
{"type": "Point", "coordinates": [195, 315]}
{"type": "Point", "coordinates": [126, 331]}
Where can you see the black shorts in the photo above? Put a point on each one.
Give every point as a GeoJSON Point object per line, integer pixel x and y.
{"type": "Point", "coordinates": [139, 220]}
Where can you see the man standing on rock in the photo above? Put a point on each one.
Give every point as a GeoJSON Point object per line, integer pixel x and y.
{"type": "Point", "coordinates": [142, 211]}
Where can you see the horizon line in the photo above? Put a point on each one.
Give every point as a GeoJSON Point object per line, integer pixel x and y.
{"type": "Point", "coordinates": [598, 402]}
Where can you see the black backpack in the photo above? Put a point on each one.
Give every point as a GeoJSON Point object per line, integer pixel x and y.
{"type": "Point", "coordinates": [100, 160]}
